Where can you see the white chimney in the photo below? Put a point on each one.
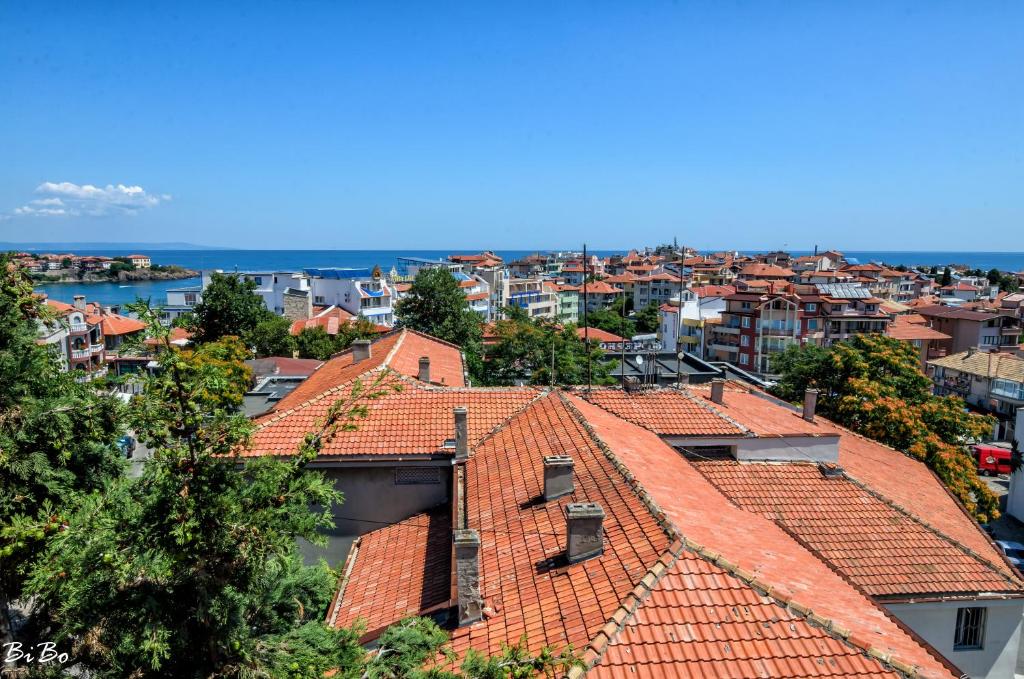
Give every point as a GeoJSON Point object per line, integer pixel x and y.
{"type": "Point", "coordinates": [584, 522]}
{"type": "Point", "coordinates": [361, 350]}
{"type": "Point", "coordinates": [717, 390]}
{"type": "Point", "coordinates": [810, 404]}
{"type": "Point", "coordinates": [80, 302]}
{"type": "Point", "coordinates": [461, 433]}
{"type": "Point", "coordinates": [467, 575]}
{"type": "Point", "coordinates": [558, 478]}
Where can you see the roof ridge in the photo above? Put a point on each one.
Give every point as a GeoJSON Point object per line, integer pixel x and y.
{"type": "Point", "coordinates": [504, 423]}
{"type": "Point", "coordinates": [956, 543]}
{"type": "Point", "coordinates": [308, 402]}
{"type": "Point", "coordinates": [394, 349]}
{"type": "Point", "coordinates": [707, 406]}
{"type": "Point", "coordinates": [780, 598]}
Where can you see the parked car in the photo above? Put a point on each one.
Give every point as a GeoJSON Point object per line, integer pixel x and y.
{"type": "Point", "coordinates": [992, 459]}
{"type": "Point", "coordinates": [1014, 551]}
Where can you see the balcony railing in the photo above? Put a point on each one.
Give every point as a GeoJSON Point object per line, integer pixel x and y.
{"type": "Point", "coordinates": [96, 349]}
{"type": "Point", "coordinates": [79, 327]}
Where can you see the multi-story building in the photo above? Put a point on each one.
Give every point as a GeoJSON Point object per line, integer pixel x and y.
{"type": "Point", "coordinates": [682, 326]}
{"type": "Point", "coordinates": [991, 382]}
{"type": "Point", "coordinates": [180, 301]}
{"type": "Point", "coordinates": [656, 288]}
{"type": "Point", "coordinates": [270, 285]}
{"type": "Point", "coordinates": [491, 269]}
{"type": "Point", "coordinates": [361, 292]}
{"type": "Point", "coordinates": [765, 272]}
{"type": "Point", "coordinates": [756, 326]}
{"type": "Point", "coordinates": [531, 295]}
{"type": "Point", "coordinates": [598, 295]}
{"type": "Point", "coordinates": [80, 340]}
{"type": "Point", "coordinates": [836, 312]}
{"type": "Point", "coordinates": [140, 261]}
{"type": "Point", "coordinates": [568, 302]}
{"type": "Point", "coordinates": [968, 329]}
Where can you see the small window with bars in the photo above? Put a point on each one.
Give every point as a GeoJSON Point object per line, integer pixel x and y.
{"type": "Point", "coordinates": [417, 476]}
{"type": "Point", "coordinates": [970, 629]}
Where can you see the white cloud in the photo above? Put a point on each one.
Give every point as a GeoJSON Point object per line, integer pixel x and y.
{"type": "Point", "coordinates": [70, 199]}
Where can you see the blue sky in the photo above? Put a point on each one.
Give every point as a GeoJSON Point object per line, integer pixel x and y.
{"type": "Point", "coordinates": [862, 125]}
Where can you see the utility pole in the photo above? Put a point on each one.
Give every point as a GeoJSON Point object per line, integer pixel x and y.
{"type": "Point", "coordinates": [586, 324]}
{"type": "Point", "coordinates": [679, 323]}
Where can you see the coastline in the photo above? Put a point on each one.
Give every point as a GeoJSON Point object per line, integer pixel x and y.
{"type": "Point", "coordinates": [123, 277]}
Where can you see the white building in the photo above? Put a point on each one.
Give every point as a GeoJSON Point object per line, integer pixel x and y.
{"type": "Point", "coordinates": [361, 292]}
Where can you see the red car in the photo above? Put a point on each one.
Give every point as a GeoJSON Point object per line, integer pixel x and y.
{"type": "Point", "coordinates": [992, 460]}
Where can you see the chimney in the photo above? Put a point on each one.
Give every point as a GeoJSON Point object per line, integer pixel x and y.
{"type": "Point", "coordinates": [80, 302]}
{"type": "Point", "coordinates": [810, 404]}
{"type": "Point", "coordinates": [424, 375]}
{"type": "Point", "coordinates": [558, 479]}
{"type": "Point", "coordinates": [584, 522]}
{"type": "Point", "coordinates": [717, 390]}
{"type": "Point", "coordinates": [467, 575]}
{"type": "Point", "coordinates": [461, 434]}
{"type": "Point", "coordinates": [361, 350]}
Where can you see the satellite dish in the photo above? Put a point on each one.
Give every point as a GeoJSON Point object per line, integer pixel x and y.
{"type": "Point", "coordinates": [640, 360]}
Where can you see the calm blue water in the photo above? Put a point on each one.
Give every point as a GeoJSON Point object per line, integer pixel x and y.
{"type": "Point", "coordinates": [294, 260]}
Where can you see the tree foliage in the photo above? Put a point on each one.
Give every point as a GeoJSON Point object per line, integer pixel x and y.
{"type": "Point", "coordinates": [229, 307]}
{"type": "Point", "coordinates": [648, 319]}
{"type": "Point", "coordinates": [57, 436]}
{"type": "Point", "coordinates": [316, 343]}
{"type": "Point", "coordinates": [611, 319]}
{"type": "Point", "coordinates": [192, 570]}
{"type": "Point", "coordinates": [436, 305]}
{"type": "Point", "coordinates": [539, 351]}
{"type": "Point", "coordinates": [873, 384]}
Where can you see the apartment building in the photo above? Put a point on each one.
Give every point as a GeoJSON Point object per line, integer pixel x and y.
{"type": "Point", "coordinates": [361, 292]}
{"type": "Point", "coordinates": [568, 309]}
{"type": "Point", "coordinates": [989, 381]}
{"type": "Point", "coordinates": [598, 295]}
{"type": "Point", "coordinates": [656, 288]}
{"type": "Point", "coordinates": [682, 324]}
{"type": "Point", "coordinates": [968, 329]}
{"type": "Point", "coordinates": [532, 295]}
{"type": "Point", "coordinates": [836, 312]}
{"type": "Point", "coordinates": [756, 326]}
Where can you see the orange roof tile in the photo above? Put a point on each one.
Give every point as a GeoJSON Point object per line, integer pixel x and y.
{"type": "Point", "coordinates": [598, 335]}
{"type": "Point", "coordinates": [668, 412]}
{"type": "Point", "coordinates": [600, 288]}
{"type": "Point", "coordinates": [414, 421]}
{"type": "Point", "coordinates": [881, 549]}
{"type": "Point", "coordinates": [413, 557]}
{"type": "Point", "coordinates": [520, 535]}
{"type": "Point", "coordinates": [399, 349]}
{"type": "Point", "coordinates": [761, 416]}
{"type": "Point", "coordinates": [727, 534]}
{"type": "Point", "coordinates": [115, 324]}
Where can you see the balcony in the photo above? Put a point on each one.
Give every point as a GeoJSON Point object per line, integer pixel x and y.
{"type": "Point", "coordinates": [95, 349]}
{"type": "Point", "coordinates": [79, 327]}
{"type": "Point", "coordinates": [729, 329]}
{"type": "Point", "coordinates": [80, 353]}
{"type": "Point", "coordinates": [730, 348]}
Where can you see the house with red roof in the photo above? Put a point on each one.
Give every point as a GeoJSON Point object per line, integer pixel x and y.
{"type": "Point", "coordinates": [705, 531]}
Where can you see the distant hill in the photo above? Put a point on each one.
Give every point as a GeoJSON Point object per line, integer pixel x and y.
{"type": "Point", "coordinates": [113, 247]}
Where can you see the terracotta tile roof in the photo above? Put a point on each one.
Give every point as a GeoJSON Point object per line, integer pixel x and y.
{"type": "Point", "coordinates": [715, 290]}
{"type": "Point", "coordinates": [905, 481]}
{"type": "Point", "coordinates": [283, 365]}
{"type": "Point", "coordinates": [519, 536]}
{"type": "Point", "coordinates": [599, 335]}
{"type": "Point", "coordinates": [414, 421]}
{"type": "Point", "coordinates": [399, 349]}
{"type": "Point", "coordinates": [744, 543]}
{"type": "Point", "coordinates": [476, 296]}
{"type": "Point", "coordinates": [413, 557]}
{"type": "Point", "coordinates": [624, 277]}
{"type": "Point", "coordinates": [881, 549]}
{"type": "Point", "coordinates": [766, 270]}
{"type": "Point", "coordinates": [329, 318]}
{"type": "Point", "coordinates": [761, 416]}
{"type": "Point", "coordinates": [700, 621]}
{"type": "Point", "coordinates": [904, 328]}
{"type": "Point", "coordinates": [667, 412]}
{"type": "Point", "coordinates": [601, 288]}
{"type": "Point", "coordinates": [115, 324]}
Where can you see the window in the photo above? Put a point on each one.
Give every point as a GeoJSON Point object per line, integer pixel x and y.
{"type": "Point", "coordinates": [970, 629]}
{"type": "Point", "coordinates": [812, 324]}
{"type": "Point", "coordinates": [744, 340]}
{"type": "Point", "coordinates": [811, 306]}
{"type": "Point", "coordinates": [744, 359]}
{"type": "Point", "coordinates": [258, 280]}
{"type": "Point", "coordinates": [744, 305]}
{"type": "Point", "coordinates": [417, 476]}
{"type": "Point", "coordinates": [990, 340]}
{"type": "Point", "coordinates": [745, 322]}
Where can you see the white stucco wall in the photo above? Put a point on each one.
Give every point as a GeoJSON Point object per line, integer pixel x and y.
{"type": "Point", "coordinates": [936, 623]}
{"type": "Point", "coordinates": [769, 448]}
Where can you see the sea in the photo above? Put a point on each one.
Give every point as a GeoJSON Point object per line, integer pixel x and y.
{"type": "Point", "coordinates": [117, 294]}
